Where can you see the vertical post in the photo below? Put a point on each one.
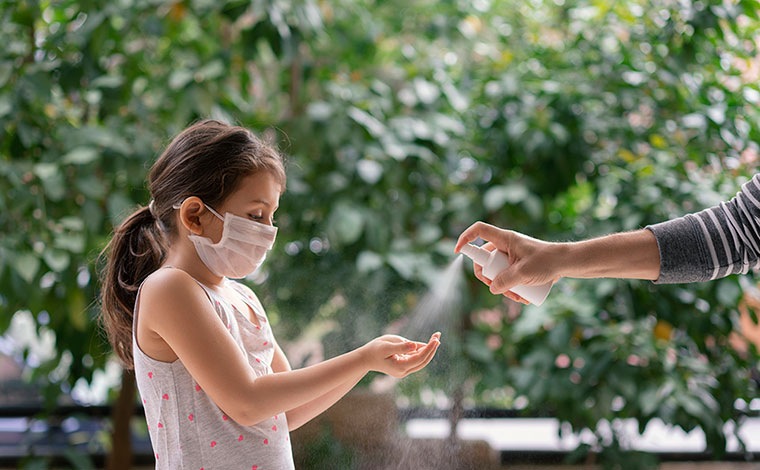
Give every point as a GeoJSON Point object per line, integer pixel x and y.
{"type": "Point", "coordinates": [120, 457]}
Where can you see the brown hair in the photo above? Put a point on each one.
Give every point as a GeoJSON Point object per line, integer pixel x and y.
{"type": "Point", "coordinates": [208, 160]}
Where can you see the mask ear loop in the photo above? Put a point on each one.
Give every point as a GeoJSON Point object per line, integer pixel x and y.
{"type": "Point", "coordinates": [179, 204]}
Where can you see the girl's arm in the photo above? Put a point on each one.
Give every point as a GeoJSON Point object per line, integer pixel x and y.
{"type": "Point", "coordinates": [186, 321]}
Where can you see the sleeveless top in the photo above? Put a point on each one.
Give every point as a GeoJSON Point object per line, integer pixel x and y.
{"type": "Point", "coordinates": [187, 429]}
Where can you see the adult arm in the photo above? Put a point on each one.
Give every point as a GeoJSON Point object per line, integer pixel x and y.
{"type": "Point", "coordinates": [710, 244]}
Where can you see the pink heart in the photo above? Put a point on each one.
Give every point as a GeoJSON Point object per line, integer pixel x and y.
{"type": "Point", "coordinates": [274, 428]}
{"type": "Point", "coordinates": [166, 396]}
{"type": "Point", "coordinates": [150, 375]}
{"type": "Point", "coordinates": [148, 426]}
{"type": "Point", "coordinates": [190, 417]}
{"type": "Point", "coordinates": [258, 360]}
{"type": "Point", "coordinates": [213, 443]}
{"type": "Point", "coordinates": [160, 425]}
{"type": "Point", "coordinates": [156, 456]}
{"type": "Point", "coordinates": [255, 467]}
{"type": "Point", "coordinates": [258, 327]}
{"type": "Point", "coordinates": [266, 441]}
{"type": "Point", "coordinates": [144, 400]}
{"type": "Point", "coordinates": [197, 388]}
{"type": "Point", "coordinates": [266, 342]}
{"type": "Point", "coordinates": [240, 438]}
{"type": "Point", "coordinates": [275, 416]}
{"type": "Point", "coordinates": [224, 417]}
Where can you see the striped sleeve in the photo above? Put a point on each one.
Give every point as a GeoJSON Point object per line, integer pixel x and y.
{"type": "Point", "coordinates": [713, 243]}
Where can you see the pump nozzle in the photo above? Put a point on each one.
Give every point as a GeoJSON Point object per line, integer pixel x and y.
{"type": "Point", "coordinates": [476, 253]}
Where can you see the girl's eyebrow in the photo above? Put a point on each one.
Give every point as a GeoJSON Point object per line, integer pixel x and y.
{"type": "Point", "coordinates": [262, 201]}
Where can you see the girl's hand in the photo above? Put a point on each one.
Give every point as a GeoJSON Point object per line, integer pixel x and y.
{"type": "Point", "coordinates": [397, 356]}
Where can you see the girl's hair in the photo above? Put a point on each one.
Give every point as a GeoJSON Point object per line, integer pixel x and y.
{"type": "Point", "coordinates": [208, 160]}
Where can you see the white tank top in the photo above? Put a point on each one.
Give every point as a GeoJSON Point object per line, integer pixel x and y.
{"type": "Point", "coordinates": [187, 429]}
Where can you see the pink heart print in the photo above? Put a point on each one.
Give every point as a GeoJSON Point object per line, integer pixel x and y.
{"type": "Point", "coordinates": [266, 342]}
{"type": "Point", "coordinates": [197, 388]}
{"type": "Point", "coordinates": [240, 438]}
{"type": "Point", "coordinates": [213, 443]}
{"type": "Point", "coordinates": [160, 425]}
{"type": "Point", "coordinates": [166, 396]}
{"type": "Point", "coordinates": [224, 417]}
{"type": "Point", "coordinates": [255, 467]}
{"type": "Point", "coordinates": [190, 417]}
{"type": "Point", "coordinates": [274, 428]}
{"type": "Point", "coordinates": [150, 375]}
{"type": "Point", "coordinates": [266, 441]}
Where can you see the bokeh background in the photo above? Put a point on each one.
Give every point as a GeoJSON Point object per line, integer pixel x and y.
{"type": "Point", "coordinates": [404, 122]}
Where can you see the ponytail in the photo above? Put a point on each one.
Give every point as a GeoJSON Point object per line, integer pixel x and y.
{"type": "Point", "coordinates": [138, 248]}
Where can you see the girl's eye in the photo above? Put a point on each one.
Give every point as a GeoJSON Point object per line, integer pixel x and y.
{"type": "Point", "coordinates": [259, 217]}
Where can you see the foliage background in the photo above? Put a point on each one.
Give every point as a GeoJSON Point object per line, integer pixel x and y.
{"type": "Point", "coordinates": [404, 122]}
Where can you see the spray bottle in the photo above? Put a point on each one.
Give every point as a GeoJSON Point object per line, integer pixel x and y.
{"type": "Point", "coordinates": [494, 262]}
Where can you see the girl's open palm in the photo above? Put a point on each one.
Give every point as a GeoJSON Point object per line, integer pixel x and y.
{"type": "Point", "coordinates": [398, 357]}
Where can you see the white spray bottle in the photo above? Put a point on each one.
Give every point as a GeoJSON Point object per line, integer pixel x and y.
{"type": "Point", "coordinates": [494, 262]}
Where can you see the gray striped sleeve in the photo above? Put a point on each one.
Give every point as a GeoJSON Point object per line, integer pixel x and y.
{"type": "Point", "coordinates": [712, 243]}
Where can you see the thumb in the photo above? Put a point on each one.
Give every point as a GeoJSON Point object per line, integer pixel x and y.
{"type": "Point", "coordinates": [505, 280]}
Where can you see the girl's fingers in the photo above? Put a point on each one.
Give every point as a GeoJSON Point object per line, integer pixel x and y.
{"type": "Point", "coordinates": [428, 354]}
{"type": "Point", "coordinates": [420, 353]}
{"type": "Point", "coordinates": [427, 361]}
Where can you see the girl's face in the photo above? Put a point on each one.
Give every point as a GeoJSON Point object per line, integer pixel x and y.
{"type": "Point", "coordinates": [257, 198]}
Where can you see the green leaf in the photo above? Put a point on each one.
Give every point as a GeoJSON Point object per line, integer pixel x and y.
{"type": "Point", "coordinates": [26, 265]}
{"type": "Point", "coordinates": [57, 260]}
{"type": "Point", "coordinates": [728, 292]}
{"type": "Point", "coordinates": [497, 196]}
{"type": "Point", "coordinates": [368, 261]}
{"type": "Point", "coordinates": [80, 155]}
{"type": "Point", "coordinates": [345, 224]}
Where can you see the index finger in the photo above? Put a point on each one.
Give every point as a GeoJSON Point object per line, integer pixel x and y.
{"type": "Point", "coordinates": [483, 230]}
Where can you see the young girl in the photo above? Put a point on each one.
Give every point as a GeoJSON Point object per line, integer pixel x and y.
{"type": "Point", "coordinates": [218, 391]}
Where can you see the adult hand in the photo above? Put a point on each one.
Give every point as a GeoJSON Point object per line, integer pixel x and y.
{"type": "Point", "coordinates": [531, 262]}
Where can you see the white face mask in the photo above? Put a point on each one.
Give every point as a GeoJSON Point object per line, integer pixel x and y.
{"type": "Point", "coordinates": [240, 251]}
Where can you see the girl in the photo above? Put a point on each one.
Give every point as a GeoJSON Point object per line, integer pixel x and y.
{"type": "Point", "coordinates": [218, 391]}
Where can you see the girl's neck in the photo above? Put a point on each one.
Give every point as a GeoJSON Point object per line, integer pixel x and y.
{"type": "Point", "coordinates": [185, 257]}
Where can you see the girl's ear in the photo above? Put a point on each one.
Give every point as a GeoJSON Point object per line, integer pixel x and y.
{"type": "Point", "coordinates": [193, 214]}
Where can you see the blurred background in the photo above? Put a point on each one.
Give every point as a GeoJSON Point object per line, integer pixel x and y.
{"type": "Point", "coordinates": [404, 122]}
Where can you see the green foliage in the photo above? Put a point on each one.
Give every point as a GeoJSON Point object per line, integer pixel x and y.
{"type": "Point", "coordinates": [405, 123]}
